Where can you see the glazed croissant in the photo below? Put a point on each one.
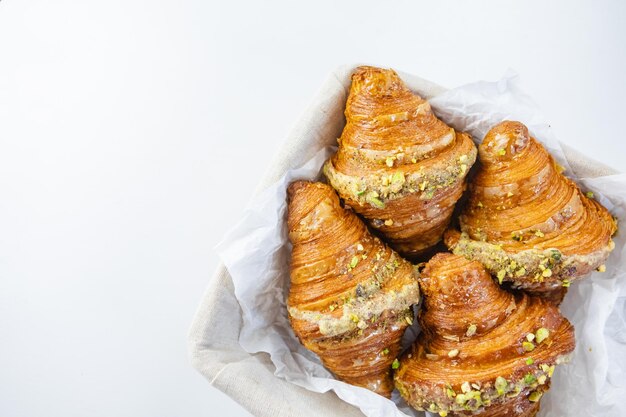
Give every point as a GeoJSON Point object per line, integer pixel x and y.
{"type": "Point", "coordinates": [525, 221]}
{"type": "Point", "coordinates": [483, 351]}
{"type": "Point", "coordinates": [351, 296]}
{"type": "Point", "coordinates": [398, 165]}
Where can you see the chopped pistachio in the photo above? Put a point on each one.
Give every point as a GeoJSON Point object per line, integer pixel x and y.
{"type": "Point", "coordinates": [354, 318]}
{"type": "Point", "coordinates": [509, 194]}
{"type": "Point", "coordinates": [529, 361]}
{"type": "Point", "coordinates": [520, 272]}
{"type": "Point", "coordinates": [395, 364]}
{"type": "Point", "coordinates": [465, 387]}
{"type": "Point", "coordinates": [450, 392]}
{"type": "Point", "coordinates": [602, 268]}
{"type": "Point", "coordinates": [389, 161]}
{"type": "Point", "coordinates": [589, 194]}
{"type": "Point", "coordinates": [423, 185]}
{"type": "Point", "coordinates": [539, 233]}
{"type": "Point", "coordinates": [385, 351]}
{"type": "Point", "coordinates": [409, 320]}
{"type": "Point", "coordinates": [551, 371]}
{"type": "Point", "coordinates": [443, 413]}
{"type": "Point", "coordinates": [501, 385]}
{"type": "Point", "coordinates": [502, 152]}
{"type": "Point", "coordinates": [389, 222]}
{"type": "Point", "coordinates": [398, 178]}
{"type": "Point", "coordinates": [501, 275]}
{"type": "Point", "coordinates": [479, 204]}
{"type": "Point", "coordinates": [414, 160]}
{"type": "Point", "coordinates": [542, 334]}
{"type": "Point", "coordinates": [535, 396]}
{"type": "Point", "coordinates": [528, 346]}
{"type": "Point", "coordinates": [556, 255]}
{"type": "Point", "coordinates": [332, 307]}
{"type": "Point", "coordinates": [546, 272]}
{"type": "Point", "coordinates": [463, 159]}
{"type": "Point", "coordinates": [516, 236]}
{"type": "Point", "coordinates": [566, 283]}
{"type": "Point", "coordinates": [461, 399]}
{"type": "Point", "coordinates": [530, 337]}
{"type": "Point", "coordinates": [542, 379]}
{"type": "Point", "coordinates": [354, 261]}
{"type": "Point", "coordinates": [544, 367]}
{"type": "Point", "coordinates": [529, 379]}
{"type": "Point", "coordinates": [361, 192]}
{"type": "Point", "coordinates": [463, 168]}
{"type": "Point", "coordinates": [373, 199]}
{"type": "Point", "coordinates": [359, 247]}
{"type": "Point", "coordinates": [471, 330]}
{"type": "Point", "coordinates": [453, 353]}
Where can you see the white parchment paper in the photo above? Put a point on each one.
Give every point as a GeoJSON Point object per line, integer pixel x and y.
{"type": "Point", "coordinates": [256, 253]}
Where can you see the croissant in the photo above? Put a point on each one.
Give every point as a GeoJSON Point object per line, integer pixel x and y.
{"type": "Point", "coordinates": [526, 222]}
{"type": "Point", "coordinates": [483, 351]}
{"type": "Point", "coordinates": [398, 165]}
{"type": "Point", "coordinates": [351, 296]}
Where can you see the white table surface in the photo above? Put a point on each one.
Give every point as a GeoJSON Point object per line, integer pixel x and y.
{"type": "Point", "coordinates": [132, 133]}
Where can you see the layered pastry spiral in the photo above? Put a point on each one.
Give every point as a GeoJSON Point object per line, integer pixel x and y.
{"type": "Point", "coordinates": [483, 351]}
{"type": "Point", "coordinates": [525, 221]}
{"type": "Point", "coordinates": [398, 165]}
{"type": "Point", "coordinates": [351, 296]}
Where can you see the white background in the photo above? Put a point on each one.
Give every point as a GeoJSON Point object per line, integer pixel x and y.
{"type": "Point", "coordinates": [132, 134]}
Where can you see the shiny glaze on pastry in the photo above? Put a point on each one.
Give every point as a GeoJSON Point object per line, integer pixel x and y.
{"type": "Point", "coordinates": [351, 296]}
{"type": "Point", "coordinates": [525, 221]}
{"type": "Point", "coordinates": [398, 165]}
{"type": "Point", "coordinates": [483, 351]}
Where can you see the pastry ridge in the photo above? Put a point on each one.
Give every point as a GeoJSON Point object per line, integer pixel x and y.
{"type": "Point", "coordinates": [350, 297]}
{"type": "Point", "coordinates": [483, 351]}
{"type": "Point", "coordinates": [525, 221]}
{"type": "Point", "coordinates": [398, 165]}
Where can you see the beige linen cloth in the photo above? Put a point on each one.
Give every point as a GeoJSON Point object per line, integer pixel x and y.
{"type": "Point", "coordinates": [214, 349]}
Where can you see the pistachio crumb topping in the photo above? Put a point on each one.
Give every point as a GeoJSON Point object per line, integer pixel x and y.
{"type": "Point", "coordinates": [465, 387]}
{"type": "Point", "coordinates": [453, 353]}
{"type": "Point", "coordinates": [566, 283]}
{"type": "Point", "coordinates": [471, 330]}
{"type": "Point", "coordinates": [530, 337]}
{"type": "Point", "coordinates": [359, 247]}
{"type": "Point", "coordinates": [528, 346]}
{"type": "Point", "coordinates": [354, 262]}
{"type": "Point", "coordinates": [395, 364]}
{"type": "Point", "coordinates": [529, 361]}
{"type": "Point", "coordinates": [389, 222]}
{"type": "Point", "coordinates": [535, 396]}
{"type": "Point", "coordinates": [501, 275]}
{"type": "Point", "coordinates": [354, 318]}
{"type": "Point", "coordinates": [601, 268]}
{"type": "Point", "coordinates": [443, 413]}
{"type": "Point", "coordinates": [546, 272]}
{"type": "Point", "coordinates": [385, 351]}
{"type": "Point", "coordinates": [502, 152]}
{"type": "Point", "coordinates": [539, 233]}
{"type": "Point", "coordinates": [501, 385]}
{"type": "Point", "coordinates": [389, 161]}
{"type": "Point", "coordinates": [589, 194]}
{"type": "Point", "coordinates": [480, 204]}
{"type": "Point", "coordinates": [409, 320]}
{"type": "Point", "coordinates": [542, 334]}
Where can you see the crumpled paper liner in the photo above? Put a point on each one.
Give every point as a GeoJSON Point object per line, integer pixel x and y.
{"type": "Point", "coordinates": [256, 253]}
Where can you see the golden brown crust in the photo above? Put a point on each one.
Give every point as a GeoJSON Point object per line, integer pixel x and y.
{"type": "Point", "coordinates": [350, 297]}
{"type": "Point", "coordinates": [481, 346]}
{"type": "Point", "coordinates": [525, 221]}
{"type": "Point", "coordinates": [398, 165]}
